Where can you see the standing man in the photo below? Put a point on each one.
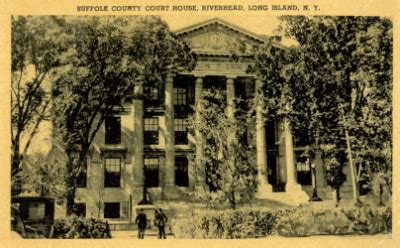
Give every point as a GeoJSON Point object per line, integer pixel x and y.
{"type": "Point", "coordinates": [160, 221]}
{"type": "Point", "coordinates": [141, 220]}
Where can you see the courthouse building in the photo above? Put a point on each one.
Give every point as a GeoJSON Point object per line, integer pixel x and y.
{"type": "Point", "coordinates": [147, 143]}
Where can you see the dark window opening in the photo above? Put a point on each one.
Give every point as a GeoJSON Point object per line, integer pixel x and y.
{"type": "Point", "coordinates": [151, 131]}
{"type": "Point", "coordinates": [79, 209]}
{"type": "Point", "coordinates": [81, 180]}
{"type": "Point", "coordinates": [271, 133]}
{"type": "Point", "coordinates": [152, 96]}
{"type": "Point", "coordinates": [112, 172]}
{"type": "Point", "coordinates": [180, 96]}
{"type": "Point", "coordinates": [181, 172]}
{"type": "Point", "coordinates": [151, 172]}
{"type": "Point", "coordinates": [181, 134]}
{"type": "Point", "coordinates": [303, 170]}
{"type": "Point", "coordinates": [111, 210]}
{"type": "Point", "coordinates": [364, 181]}
{"type": "Point", "coordinates": [113, 130]}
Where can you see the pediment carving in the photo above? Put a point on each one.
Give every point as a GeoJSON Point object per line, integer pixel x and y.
{"type": "Point", "coordinates": [219, 39]}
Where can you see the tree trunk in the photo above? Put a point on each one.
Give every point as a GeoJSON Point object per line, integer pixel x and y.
{"type": "Point", "coordinates": [71, 186]}
{"type": "Point", "coordinates": [232, 200]}
{"type": "Point", "coordinates": [15, 162]}
{"type": "Point", "coordinates": [352, 169]}
{"type": "Point", "coordinates": [337, 196]}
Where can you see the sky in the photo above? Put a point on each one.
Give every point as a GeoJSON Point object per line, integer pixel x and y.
{"type": "Point", "coordinates": [256, 24]}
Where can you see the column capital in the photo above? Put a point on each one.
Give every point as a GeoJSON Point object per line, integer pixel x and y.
{"type": "Point", "coordinates": [199, 79]}
{"type": "Point", "coordinates": [230, 79]}
{"type": "Point", "coordinates": [138, 87]}
{"type": "Point", "coordinates": [170, 77]}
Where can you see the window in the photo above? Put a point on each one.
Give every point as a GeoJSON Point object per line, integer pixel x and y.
{"type": "Point", "coordinates": [111, 210]}
{"type": "Point", "coordinates": [151, 172]}
{"type": "Point", "coordinates": [112, 172]}
{"type": "Point", "coordinates": [181, 172]}
{"type": "Point", "coordinates": [79, 209]}
{"type": "Point", "coordinates": [180, 96]}
{"type": "Point", "coordinates": [180, 132]}
{"type": "Point", "coordinates": [81, 179]}
{"type": "Point", "coordinates": [151, 131]}
{"type": "Point", "coordinates": [303, 170]}
{"type": "Point", "coordinates": [113, 130]}
{"type": "Point", "coordinates": [152, 96]}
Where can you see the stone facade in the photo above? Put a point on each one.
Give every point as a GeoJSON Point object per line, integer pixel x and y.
{"type": "Point", "coordinates": [151, 135]}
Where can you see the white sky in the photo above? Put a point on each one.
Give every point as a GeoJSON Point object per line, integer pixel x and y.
{"type": "Point", "coordinates": [257, 24]}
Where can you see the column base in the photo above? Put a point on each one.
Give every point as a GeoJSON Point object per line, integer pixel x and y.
{"type": "Point", "coordinates": [264, 190]}
{"type": "Point", "coordinates": [200, 190]}
{"type": "Point", "coordinates": [172, 192]}
{"type": "Point", "coordinates": [295, 194]}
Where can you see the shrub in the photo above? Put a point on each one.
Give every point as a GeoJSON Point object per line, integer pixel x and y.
{"type": "Point", "coordinates": [328, 221]}
{"type": "Point", "coordinates": [292, 222]}
{"type": "Point", "coordinates": [297, 222]}
{"type": "Point", "coordinates": [81, 228]}
{"type": "Point", "coordinates": [367, 220]}
{"type": "Point", "coordinates": [227, 224]}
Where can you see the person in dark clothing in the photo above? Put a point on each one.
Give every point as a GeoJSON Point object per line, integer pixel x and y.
{"type": "Point", "coordinates": [160, 221]}
{"type": "Point", "coordinates": [141, 220]}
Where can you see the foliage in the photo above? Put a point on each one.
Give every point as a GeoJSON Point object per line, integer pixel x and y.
{"type": "Point", "coordinates": [334, 86]}
{"type": "Point", "coordinates": [367, 220]}
{"type": "Point", "coordinates": [229, 161]}
{"type": "Point", "coordinates": [81, 228]}
{"type": "Point", "coordinates": [43, 175]}
{"type": "Point", "coordinates": [227, 224]}
{"type": "Point", "coordinates": [292, 222]}
{"type": "Point", "coordinates": [35, 45]}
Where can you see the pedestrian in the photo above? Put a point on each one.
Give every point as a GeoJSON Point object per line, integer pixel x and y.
{"type": "Point", "coordinates": [160, 221]}
{"type": "Point", "coordinates": [141, 220]}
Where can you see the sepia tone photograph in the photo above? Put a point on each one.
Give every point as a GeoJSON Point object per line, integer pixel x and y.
{"type": "Point", "coordinates": [154, 127]}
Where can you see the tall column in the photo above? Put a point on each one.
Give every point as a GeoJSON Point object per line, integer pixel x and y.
{"type": "Point", "coordinates": [293, 188]}
{"type": "Point", "coordinates": [230, 97]}
{"type": "Point", "coordinates": [291, 180]}
{"type": "Point", "coordinates": [169, 134]}
{"type": "Point", "coordinates": [264, 188]}
{"type": "Point", "coordinates": [137, 156]}
{"type": "Point", "coordinates": [200, 167]}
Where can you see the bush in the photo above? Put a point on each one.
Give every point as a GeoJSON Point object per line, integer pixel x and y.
{"type": "Point", "coordinates": [291, 222]}
{"type": "Point", "coordinates": [367, 220]}
{"type": "Point", "coordinates": [330, 222]}
{"type": "Point", "coordinates": [81, 228]}
{"type": "Point", "coordinates": [228, 224]}
{"type": "Point", "coordinates": [297, 222]}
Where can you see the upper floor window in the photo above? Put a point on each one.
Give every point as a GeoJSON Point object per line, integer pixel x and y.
{"type": "Point", "coordinates": [152, 98]}
{"type": "Point", "coordinates": [181, 137]}
{"type": "Point", "coordinates": [151, 131]}
{"type": "Point", "coordinates": [180, 96]}
{"type": "Point", "coordinates": [112, 172]}
{"type": "Point", "coordinates": [113, 130]}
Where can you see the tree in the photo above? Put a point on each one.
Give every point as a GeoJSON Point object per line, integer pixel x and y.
{"type": "Point", "coordinates": [35, 44]}
{"type": "Point", "coordinates": [327, 84]}
{"type": "Point", "coordinates": [231, 172]}
{"type": "Point", "coordinates": [110, 56]}
{"type": "Point", "coordinates": [43, 175]}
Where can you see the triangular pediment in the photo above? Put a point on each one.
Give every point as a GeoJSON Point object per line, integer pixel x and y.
{"type": "Point", "coordinates": [218, 37]}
